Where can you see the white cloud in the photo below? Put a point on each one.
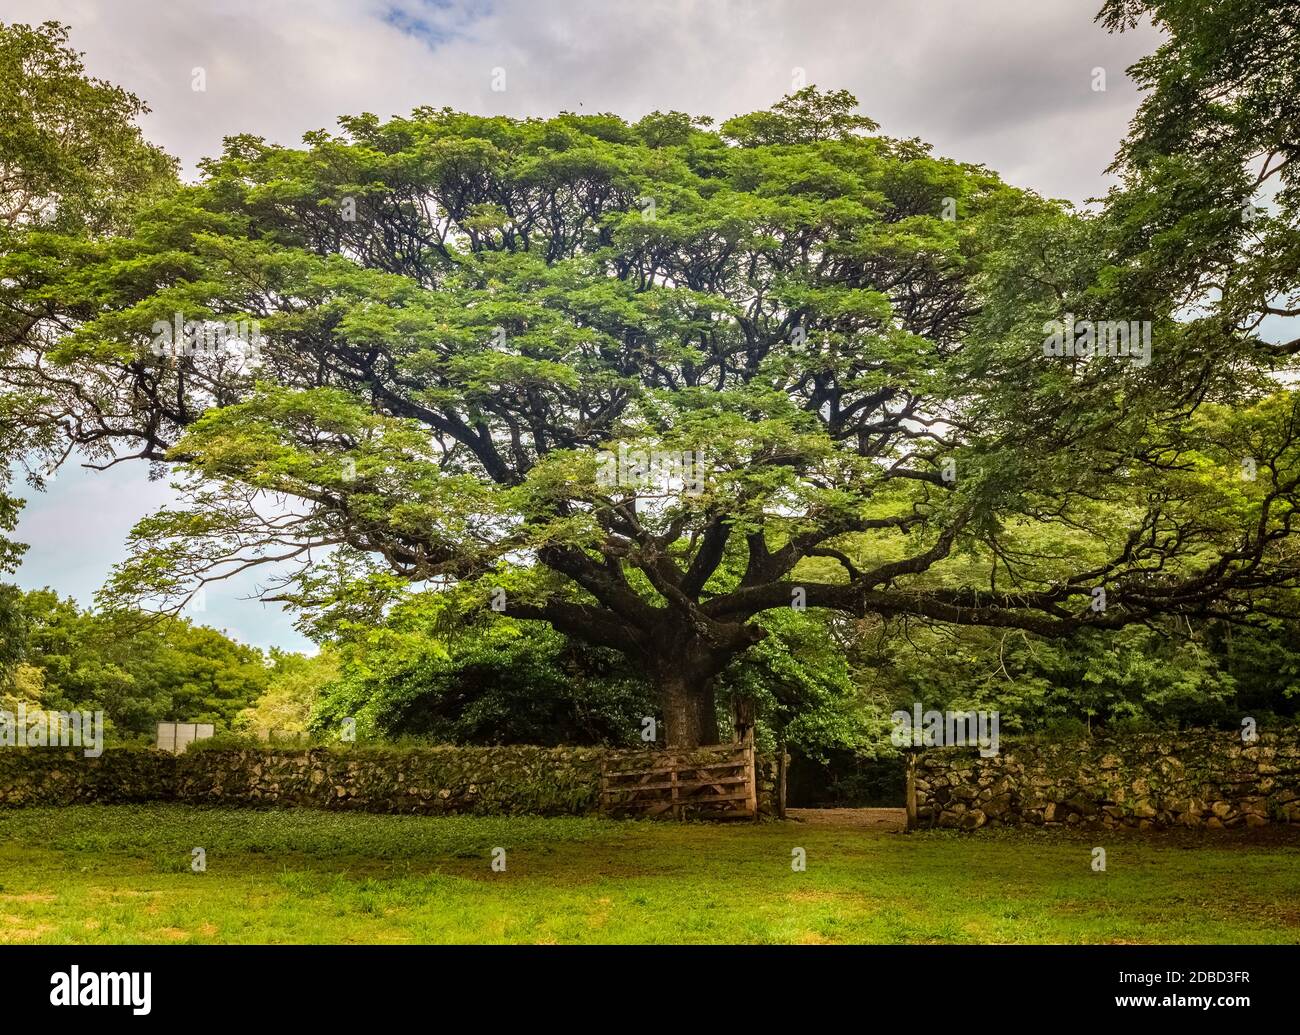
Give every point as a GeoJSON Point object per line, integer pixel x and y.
{"type": "Point", "coordinates": [1000, 82]}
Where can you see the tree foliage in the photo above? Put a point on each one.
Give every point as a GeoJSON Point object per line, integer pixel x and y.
{"type": "Point", "coordinates": [1209, 208]}
{"type": "Point", "coordinates": [138, 669]}
{"type": "Point", "coordinates": [73, 162]}
{"type": "Point", "coordinates": [429, 671]}
{"type": "Point", "coordinates": [461, 319]}
{"type": "Point", "coordinates": [439, 376]}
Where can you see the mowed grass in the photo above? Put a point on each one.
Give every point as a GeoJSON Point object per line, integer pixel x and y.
{"type": "Point", "coordinates": [111, 874]}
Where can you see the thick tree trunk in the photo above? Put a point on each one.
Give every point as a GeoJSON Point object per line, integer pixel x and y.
{"type": "Point", "coordinates": [690, 712]}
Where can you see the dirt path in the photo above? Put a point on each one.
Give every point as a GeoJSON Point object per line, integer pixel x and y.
{"type": "Point", "coordinates": [872, 819]}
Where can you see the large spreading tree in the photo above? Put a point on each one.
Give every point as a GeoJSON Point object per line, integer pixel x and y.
{"type": "Point", "coordinates": [461, 319]}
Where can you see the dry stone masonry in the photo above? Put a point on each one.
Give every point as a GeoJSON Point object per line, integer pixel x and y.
{"type": "Point", "coordinates": [1195, 778]}
{"type": "Point", "coordinates": [431, 781]}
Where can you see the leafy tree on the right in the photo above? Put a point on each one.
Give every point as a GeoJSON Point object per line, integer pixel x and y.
{"type": "Point", "coordinates": [1208, 214]}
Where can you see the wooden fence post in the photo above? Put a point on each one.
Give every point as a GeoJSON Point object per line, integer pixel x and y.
{"type": "Point", "coordinates": [911, 791]}
{"type": "Point", "coordinates": [751, 769]}
{"type": "Point", "coordinates": [782, 765]}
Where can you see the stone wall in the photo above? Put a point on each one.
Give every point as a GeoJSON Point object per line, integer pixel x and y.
{"type": "Point", "coordinates": [1192, 778]}
{"type": "Point", "coordinates": [490, 780]}
{"type": "Point", "coordinates": [485, 781]}
{"type": "Point", "coordinates": [45, 776]}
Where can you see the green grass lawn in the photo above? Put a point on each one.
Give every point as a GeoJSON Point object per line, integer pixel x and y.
{"type": "Point", "coordinates": [123, 874]}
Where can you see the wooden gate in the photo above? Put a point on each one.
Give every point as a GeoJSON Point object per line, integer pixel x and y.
{"type": "Point", "coordinates": [704, 783]}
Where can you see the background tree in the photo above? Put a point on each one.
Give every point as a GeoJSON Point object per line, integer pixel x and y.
{"type": "Point", "coordinates": [72, 162]}
{"type": "Point", "coordinates": [1209, 206]}
{"type": "Point", "coordinates": [294, 686]}
{"type": "Point", "coordinates": [72, 157]}
{"type": "Point", "coordinates": [138, 669]}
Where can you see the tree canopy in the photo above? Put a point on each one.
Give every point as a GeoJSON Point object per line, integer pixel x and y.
{"type": "Point", "coordinates": [653, 382]}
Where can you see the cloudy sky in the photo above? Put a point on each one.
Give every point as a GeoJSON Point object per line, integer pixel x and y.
{"type": "Point", "coordinates": [1008, 83]}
